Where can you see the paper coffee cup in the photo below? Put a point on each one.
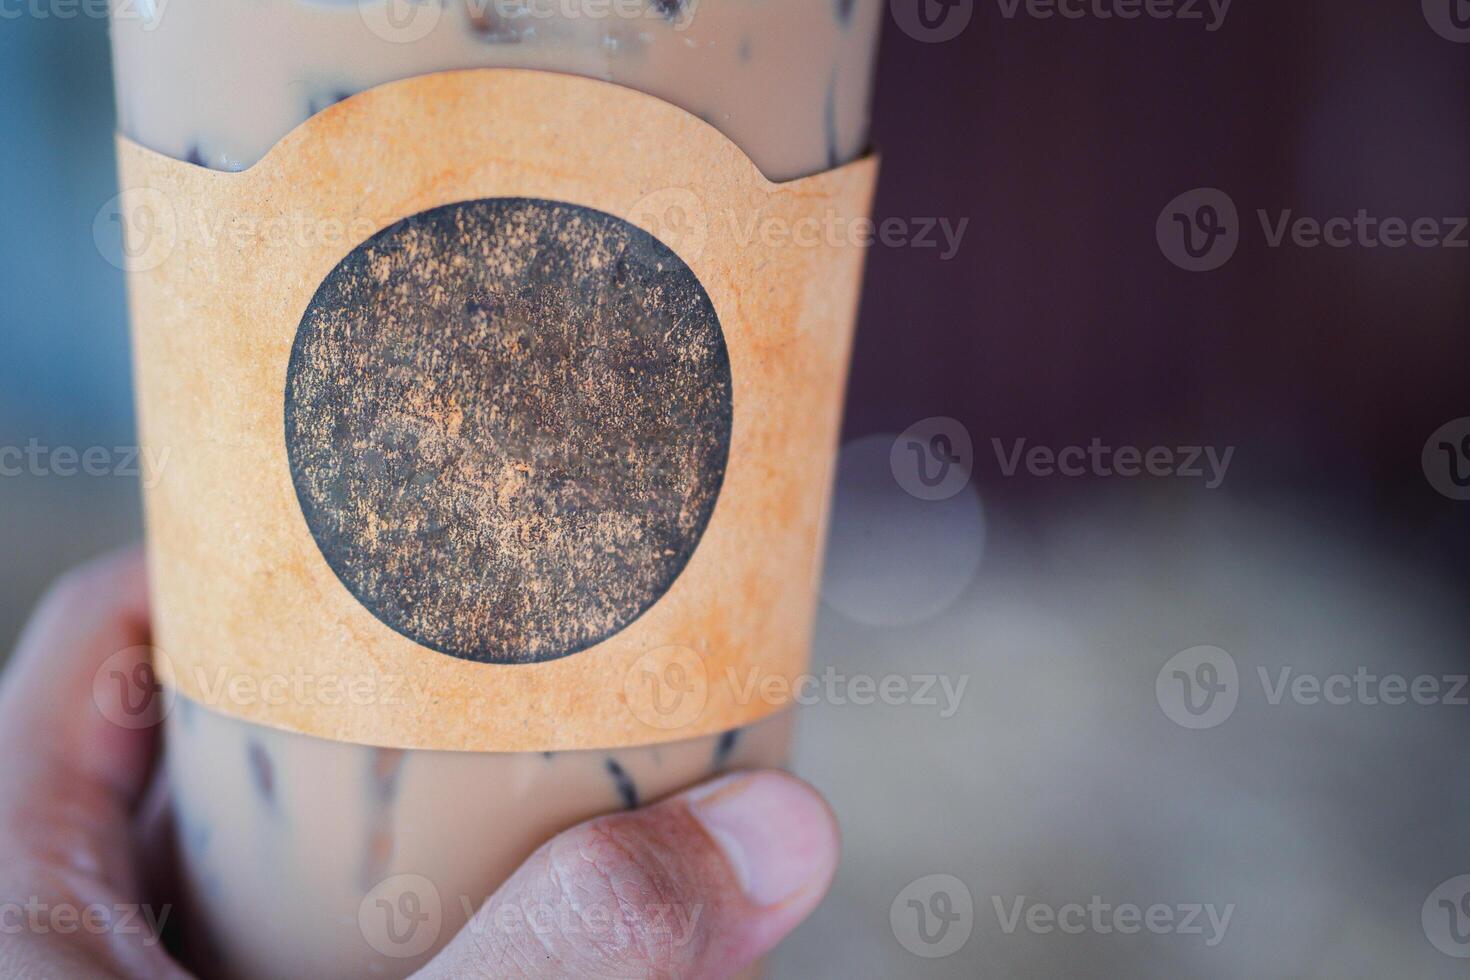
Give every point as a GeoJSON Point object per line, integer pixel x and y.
{"type": "Point", "coordinates": [510, 446]}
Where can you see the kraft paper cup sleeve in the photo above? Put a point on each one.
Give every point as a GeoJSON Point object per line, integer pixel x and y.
{"type": "Point", "coordinates": [500, 410]}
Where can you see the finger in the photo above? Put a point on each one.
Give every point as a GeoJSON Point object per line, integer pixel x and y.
{"type": "Point", "coordinates": [155, 835]}
{"type": "Point", "coordinates": [700, 885]}
{"type": "Point", "coordinates": [73, 774]}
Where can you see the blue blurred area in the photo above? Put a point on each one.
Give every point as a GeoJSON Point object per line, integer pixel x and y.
{"type": "Point", "coordinates": [64, 366]}
{"type": "Point", "coordinates": [65, 369]}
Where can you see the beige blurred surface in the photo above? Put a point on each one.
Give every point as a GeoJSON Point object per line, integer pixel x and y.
{"type": "Point", "coordinates": [1060, 777]}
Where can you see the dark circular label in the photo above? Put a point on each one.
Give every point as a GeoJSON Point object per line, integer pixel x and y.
{"type": "Point", "coordinates": [507, 422]}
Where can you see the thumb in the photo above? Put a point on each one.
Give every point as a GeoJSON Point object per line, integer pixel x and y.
{"type": "Point", "coordinates": [700, 885]}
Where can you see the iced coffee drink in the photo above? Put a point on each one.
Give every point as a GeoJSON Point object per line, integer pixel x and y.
{"type": "Point", "coordinates": [284, 835]}
{"type": "Point", "coordinates": [220, 83]}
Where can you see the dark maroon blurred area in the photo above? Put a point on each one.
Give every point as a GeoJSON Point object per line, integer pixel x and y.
{"type": "Point", "coordinates": [1061, 319]}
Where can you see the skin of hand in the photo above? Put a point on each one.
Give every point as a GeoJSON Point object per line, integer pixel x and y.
{"type": "Point", "coordinates": [743, 859]}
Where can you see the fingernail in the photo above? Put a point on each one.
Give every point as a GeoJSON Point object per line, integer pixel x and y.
{"type": "Point", "coordinates": [776, 832]}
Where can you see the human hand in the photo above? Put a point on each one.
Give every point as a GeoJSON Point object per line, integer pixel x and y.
{"type": "Point", "coordinates": [744, 859]}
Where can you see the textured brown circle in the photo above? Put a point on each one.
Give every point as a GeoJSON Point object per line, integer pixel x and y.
{"type": "Point", "coordinates": [507, 422]}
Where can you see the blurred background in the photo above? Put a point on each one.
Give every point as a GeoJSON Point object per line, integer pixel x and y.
{"type": "Point", "coordinates": [1087, 616]}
